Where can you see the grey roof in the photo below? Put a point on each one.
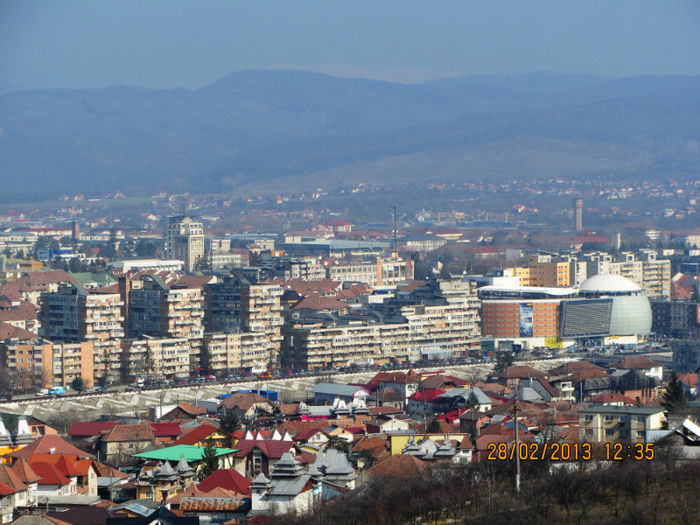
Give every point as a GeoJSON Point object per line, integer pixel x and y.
{"type": "Point", "coordinates": [289, 487]}
{"type": "Point", "coordinates": [338, 463]}
{"type": "Point", "coordinates": [527, 393]}
{"type": "Point", "coordinates": [260, 481]}
{"type": "Point", "coordinates": [466, 392]}
{"type": "Point", "coordinates": [336, 389]}
{"type": "Point", "coordinates": [287, 466]}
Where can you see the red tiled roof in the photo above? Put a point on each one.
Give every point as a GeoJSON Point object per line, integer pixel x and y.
{"type": "Point", "coordinates": [64, 463]}
{"type": "Point", "coordinates": [6, 490]}
{"type": "Point", "coordinates": [399, 466]}
{"type": "Point", "coordinates": [228, 479]}
{"type": "Point", "coordinates": [196, 435]}
{"type": "Point", "coordinates": [166, 429]}
{"type": "Point", "coordinates": [125, 433]}
{"type": "Point", "coordinates": [8, 331]}
{"type": "Point", "coordinates": [427, 396]}
{"type": "Point", "coordinates": [636, 362]}
{"type": "Point", "coordinates": [10, 478]}
{"type": "Point", "coordinates": [89, 428]}
{"type": "Point", "coordinates": [50, 475]}
{"type": "Point", "coordinates": [613, 397]}
{"type": "Point", "coordinates": [82, 466]}
{"type": "Point", "coordinates": [193, 410]}
{"type": "Point", "coordinates": [24, 471]}
{"type": "Point", "coordinates": [316, 301]}
{"type": "Point", "coordinates": [307, 434]}
{"type": "Point", "coordinates": [49, 444]}
{"type": "Point", "coordinates": [272, 449]}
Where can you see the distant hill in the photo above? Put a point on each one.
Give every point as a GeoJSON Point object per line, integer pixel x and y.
{"type": "Point", "coordinates": [252, 128]}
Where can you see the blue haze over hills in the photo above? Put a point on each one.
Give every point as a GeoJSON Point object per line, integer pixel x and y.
{"type": "Point", "coordinates": [253, 129]}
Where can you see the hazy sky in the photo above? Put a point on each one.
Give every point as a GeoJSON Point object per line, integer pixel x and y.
{"type": "Point", "coordinates": [168, 43]}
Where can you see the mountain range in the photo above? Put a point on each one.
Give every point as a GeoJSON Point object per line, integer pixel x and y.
{"type": "Point", "coordinates": [266, 130]}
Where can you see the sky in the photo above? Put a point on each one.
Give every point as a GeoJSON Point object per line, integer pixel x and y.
{"type": "Point", "coordinates": [173, 43]}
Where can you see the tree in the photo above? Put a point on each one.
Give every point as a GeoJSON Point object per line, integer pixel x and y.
{"type": "Point", "coordinates": [210, 462]}
{"type": "Point", "coordinates": [230, 422]}
{"type": "Point", "coordinates": [433, 427]}
{"type": "Point", "coordinates": [78, 384]}
{"type": "Point", "coordinates": [674, 399]}
{"type": "Point", "coordinates": [338, 443]}
{"type": "Point", "coordinates": [504, 359]}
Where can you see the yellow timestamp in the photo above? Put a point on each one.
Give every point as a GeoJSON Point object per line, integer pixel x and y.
{"type": "Point", "coordinates": [540, 451]}
{"type": "Point", "coordinates": [633, 451]}
{"type": "Point", "coordinates": [570, 452]}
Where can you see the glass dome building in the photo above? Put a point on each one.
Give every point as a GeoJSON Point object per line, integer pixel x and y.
{"type": "Point", "coordinates": [608, 306]}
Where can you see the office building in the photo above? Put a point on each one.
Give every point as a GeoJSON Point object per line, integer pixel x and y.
{"type": "Point", "coordinates": [185, 241]}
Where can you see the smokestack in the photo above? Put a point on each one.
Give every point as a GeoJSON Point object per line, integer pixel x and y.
{"type": "Point", "coordinates": [75, 230]}
{"type": "Point", "coordinates": [578, 214]}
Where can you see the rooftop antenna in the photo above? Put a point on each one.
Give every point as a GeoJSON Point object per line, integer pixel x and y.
{"type": "Point", "coordinates": [395, 232]}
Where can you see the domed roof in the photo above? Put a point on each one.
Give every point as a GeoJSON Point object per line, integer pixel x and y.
{"type": "Point", "coordinates": [606, 282]}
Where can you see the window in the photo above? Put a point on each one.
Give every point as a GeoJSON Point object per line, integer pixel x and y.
{"type": "Point", "coordinates": [641, 419]}
{"type": "Point", "coordinates": [640, 433]}
{"type": "Point", "coordinates": [609, 432]}
{"type": "Point", "coordinates": [589, 432]}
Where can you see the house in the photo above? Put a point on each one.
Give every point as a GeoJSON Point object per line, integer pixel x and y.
{"type": "Point", "coordinates": [399, 466]}
{"type": "Point", "coordinates": [336, 474]}
{"type": "Point", "coordinates": [161, 482]}
{"type": "Point", "coordinates": [204, 434]}
{"type": "Point", "coordinates": [641, 365]}
{"type": "Point", "coordinates": [420, 405]}
{"type": "Point", "coordinates": [385, 424]}
{"type": "Point", "coordinates": [247, 405]}
{"type": "Point", "coordinates": [53, 482]}
{"type": "Point", "coordinates": [329, 392]}
{"type": "Point", "coordinates": [23, 494]}
{"type": "Point", "coordinates": [690, 383]}
{"type": "Point", "coordinates": [473, 421]}
{"type": "Point", "coordinates": [394, 388]}
{"type": "Point", "coordinates": [215, 506]}
{"type": "Point", "coordinates": [166, 433]}
{"type": "Point", "coordinates": [7, 507]}
{"type": "Point", "coordinates": [122, 441]}
{"type": "Point", "coordinates": [80, 430]}
{"type": "Point", "coordinates": [229, 479]}
{"type": "Point", "coordinates": [314, 436]}
{"type": "Point", "coordinates": [256, 456]}
{"type": "Point", "coordinates": [184, 412]}
{"type": "Point", "coordinates": [459, 398]}
{"type": "Point", "coordinates": [289, 489]}
{"type": "Point", "coordinates": [49, 444]}
{"type": "Point", "coordinates": [83, 470]}
{"type": "Point", "coordinates": [609, 423]}
{"type": "Point", "coordinates": [39, 428]}
{"type": "Point", "coordinates": [613, 398]}
{"type": "Point", "coordinates": [193, 455]}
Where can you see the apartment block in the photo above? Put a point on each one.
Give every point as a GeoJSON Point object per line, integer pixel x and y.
{"type": "Point", "coordinates": [155, 358]}
{"type": "Point", "coordinates": [609, 423]}
{"type": "Point", "coordinates": [184, 240]}
{"type": "Point", "coordinates": [378, 273]}
{"type": "Point", "coordinates": [41, 364]}
{"type": "Point", "coordinates": [74, 314]}
{"type": "Point", "coordinates": [160, 310]}
{"type": "Point", "coordinates": [425, 332]}
{"type": "Point", "coordinates": [645, 269]}
{"type": "Point", "coordinates": [541, 270]}
{"type": "Point", "coordinates": [232, 352]}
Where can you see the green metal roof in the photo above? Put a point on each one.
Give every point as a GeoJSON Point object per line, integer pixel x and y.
{"type": "Point", "coordinates": [192, 453]}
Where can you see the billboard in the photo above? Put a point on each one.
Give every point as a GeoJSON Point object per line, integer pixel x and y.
{"type": "Point", "coordinates": [526, 321]}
